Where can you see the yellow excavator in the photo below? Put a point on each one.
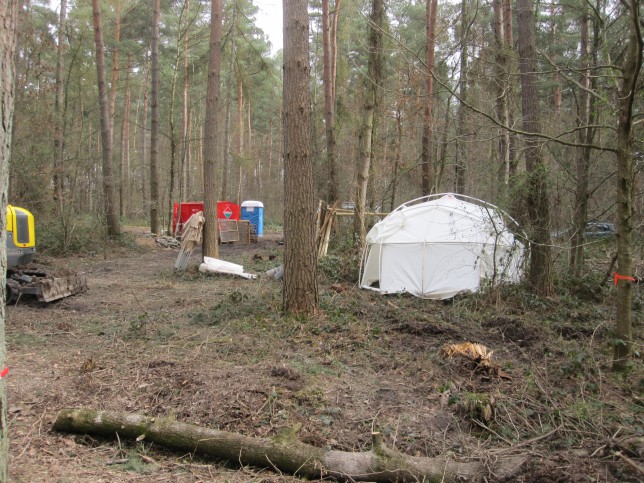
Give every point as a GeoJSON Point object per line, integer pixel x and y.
{"type": "Point", "coordinates": [23, 277]}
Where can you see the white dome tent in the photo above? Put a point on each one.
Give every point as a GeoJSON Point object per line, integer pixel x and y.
{"type": "Point", "coordinates": [440, 245]}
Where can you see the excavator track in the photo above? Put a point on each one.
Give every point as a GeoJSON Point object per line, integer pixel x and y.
{"type": "Point", "coordinates": [46, 286]}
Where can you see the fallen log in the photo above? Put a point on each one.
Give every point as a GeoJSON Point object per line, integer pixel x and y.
{"type": "Point", "coordinates": [284, 452]}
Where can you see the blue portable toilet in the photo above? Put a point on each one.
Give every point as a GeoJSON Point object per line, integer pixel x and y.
{"type": "Point", "coordinates": [253, 211]}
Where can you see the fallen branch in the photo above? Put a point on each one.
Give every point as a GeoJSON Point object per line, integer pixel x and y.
{"type": "Point", "coordinates": [283, 452]}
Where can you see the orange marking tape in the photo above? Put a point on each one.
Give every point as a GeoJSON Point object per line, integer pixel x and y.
{"type": "Point", "coordinates": [617, 277]}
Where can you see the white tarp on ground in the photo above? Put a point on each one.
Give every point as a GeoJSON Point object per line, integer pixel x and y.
{"type": "Point", "coordinates": [438, 246]}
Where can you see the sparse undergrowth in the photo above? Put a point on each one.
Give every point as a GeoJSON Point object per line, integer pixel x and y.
{"type": "Point", "coordinates": [217, 351]}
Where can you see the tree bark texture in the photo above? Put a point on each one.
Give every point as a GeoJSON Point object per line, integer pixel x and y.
{"type": "Point", "coordinates": [502, 83]}
{"type": "Point", "coordinates": [185, 146]}
{"type": "Point", "coordinates": [584, 135]}
{"type": "Point", "coordinates": [116, 70]}
{"type": "Point", "coordinates": [125, 178]}
{"type": "Point", "coordinates": [372, 85]}
{"type": "Point", "coordinates": [210, 242]}
{"type": "Point", "coordinates": [109, 191]}
{"type": "Point", "coordinates": [284, 452]}
{"type": "Point", "coordinates": [154, 128]}
{"type": "Point", "coordinates": [631, 69]}
{"type": "Point", "coordinates": [8, 20]}
{"type": "Point", "coordinates": [537, 202]}
{"type": "Point", "coordinates": [430, 54]}
{"type": "Point", "coordinates": [329, 104]}
{"type": "Point", "coordinates": [300, 294]}
{"type": "Point", "coordinates": [59, 133]}
{"type": "Point", "coordinates": [460, 166]}
{"type": "Point", "coordinates": [145, 101]}
{"type": "Point", "coordinates": [173, 132]}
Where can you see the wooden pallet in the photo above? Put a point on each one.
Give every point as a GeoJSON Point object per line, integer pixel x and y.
{"type": "Point", "coordinates": [228, 231]}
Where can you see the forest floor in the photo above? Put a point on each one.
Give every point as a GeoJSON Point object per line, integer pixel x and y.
{"type": "Point", "coordinates": [216, 351]}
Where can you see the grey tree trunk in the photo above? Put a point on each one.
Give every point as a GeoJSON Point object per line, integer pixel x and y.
{"type": "Point", "coordinates": [109, 191]}
{"type": "Point", "coordinates": [461, 153]}
{"type": "Point", "coordinates": [536, 190]}
{"type": "Point", "coordinates": [284, 452]}
{"type": "Point", "coordinates": [631, 69]}
{"type": "Point", "coordinates": [300, 295]}
{"type": "Point", "coordinates": [185, 146]}
{"type": "Point", "coordinates": [125, 179]}
{"type": "Point", "coordinates": [8, 19]}
{"type": "Point", "coordinates": [144, 134]}
{"type": "Point", "coordinates": [172, 182]}
{"type": "Point", "coordinates": [427, 179]}
{"type": "Point", "coordinates": [155, 202]}
{"type": "Point", "coordinates": [59, 131]}
{"type": "Point", "coordinates": [502, 83]}
{"type": "Point", "coordinates": [372, 85]}
{"type": "Point", "coordinates": [226, 161]}
{"type": "Point", "coordinates": [584, 135]}
{"type": "Point", "coordinates": [210, 242]}
{"type": "Point", "coordinates": [329, 104]}
{"type": "Point", "coordinates": [116, 70]}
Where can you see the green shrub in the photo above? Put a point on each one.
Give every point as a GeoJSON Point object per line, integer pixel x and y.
{"type": "Point", "coordinates": [340, 268]}
{"type": "Point", "coordinates": [85, 234]}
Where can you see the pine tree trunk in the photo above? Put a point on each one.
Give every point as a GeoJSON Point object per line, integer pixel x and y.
{"type": "Point", "coordinates": [226, 162]}
{"type": "Point", "coordinates": [502, 83]}
{"type": "Point", "coordinates": [461, 152]}
{"type": "Point", "coordinates": [173, 141]}
{"type": "Point", "coordinates": [59, 131]}
{"type": "Point", "coordinates": [185, 146]}
{"type": "Point", "coordinates": [329, 105]}
{"type": "Point", "coordinates": [582, 153]}
{"type": "Point", "coordinates": [372, 85]}
{"type": "Point", "coordinates": [143, 184]}
{"type": "Point", "coordinates": [8, 41]}
{"type": "Point", "coordinates": [537, 202]}
{"type": "Point", "coordinates": [109, 192]}
{"type": "Point", "coordinates": [210, 242]}
{"type": "Point", "coordinates": [115, 64]}
{"type": "Point", "coordinates": [125, 142]}
{"type": "Point", "coordinates": [427, 180]}
{"type": "Point", "coordinates": [631, 69]}
{"type": "Point", "coordinates": [155, 201]}
{"type": "Point", "coordinates": [300, 261]}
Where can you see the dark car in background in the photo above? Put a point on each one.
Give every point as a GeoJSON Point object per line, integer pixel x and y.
{"type": "Point", "coordinates": [594, 229]}
{"type": "Point", "coordinates": [599, 229]}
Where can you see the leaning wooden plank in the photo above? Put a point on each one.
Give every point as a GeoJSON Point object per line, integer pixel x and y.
{"type": "Point", "coordinates": [284, 453]}
{"type": "Point", "coordinates": [190, 238]}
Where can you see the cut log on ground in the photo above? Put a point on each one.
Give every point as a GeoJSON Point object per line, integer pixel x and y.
{"type": "Point", "coordinates": [284, 452]}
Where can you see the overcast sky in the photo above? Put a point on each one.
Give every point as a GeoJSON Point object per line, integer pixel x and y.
{"type": "Point", "coordinates": [269, 19]}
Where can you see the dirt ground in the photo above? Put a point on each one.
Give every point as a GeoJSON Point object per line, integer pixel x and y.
{"type": "Point", "coordinates": [216, 351]}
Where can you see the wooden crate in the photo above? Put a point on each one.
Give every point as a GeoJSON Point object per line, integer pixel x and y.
{"type": "Point", "coordinates": [228, 231]}
{"type": "Point", "coordinates": [245, 227]}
